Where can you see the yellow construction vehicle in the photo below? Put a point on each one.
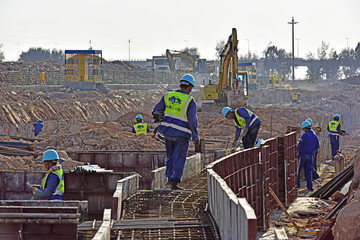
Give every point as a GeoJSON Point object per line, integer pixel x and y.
{"type": "Point", "coordinates": [250, 69]}
{"type": "Point", "coordinates": [233, 84]}
{"type": "Point", "coordinates": [182, 62]}
{"type": "Point", "coordinates": [274, 80]}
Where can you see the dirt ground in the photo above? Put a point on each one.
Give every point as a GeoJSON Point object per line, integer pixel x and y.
{"type": "Point", "coordinates": [70, 119]}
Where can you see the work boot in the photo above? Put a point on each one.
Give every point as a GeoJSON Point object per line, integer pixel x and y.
{"type": "Point", "coordinates": [176, 187]}
{"type": "Point", "coordinates": [169, 182]}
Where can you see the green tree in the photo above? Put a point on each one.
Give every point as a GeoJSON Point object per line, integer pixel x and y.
{"type": "Point", "coordinates": [36, 54]}
{"type": "Point", "coordinates": [194, 51]}
{"type": "Point", "coordinates": [2, 56]}
{"type": "Point", "coordinates": [220, 45]}
{"type": "Point", "coordinates": [57, 55]}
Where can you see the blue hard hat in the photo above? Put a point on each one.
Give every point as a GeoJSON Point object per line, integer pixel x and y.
{"type": "Point", "coordinates": [39, 120]}
{"type": "Point", "coordinates": [337, 116]}
{"type": "Point", "coordinates": [305, 124]}
{"type": "Point", "coordinates": [225, 111]}
{"type": "Point", "coordinates": [139, 116]}
{"type": "Point", "coordinates": [309, 120]}
{"type": "Point", "coordinates": [50, 155]}
{"type": "Point", "coordinates": [188, 78]}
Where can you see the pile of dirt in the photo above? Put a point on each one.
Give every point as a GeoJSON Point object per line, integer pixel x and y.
{"type": "Point", "coordinates": [53, 66]}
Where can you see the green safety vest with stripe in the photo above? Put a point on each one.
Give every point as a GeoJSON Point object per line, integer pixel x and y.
{"type": "Point", "coordinates": [242, 121]}
{"type": "Point", "coordinates": [60, 189]}
{"type": "Point", "coordinates": [176, 106]}
{"type": "Point", "coordinates": [140, 128]}
{"type": "Point", "coordinates": [333, 125]}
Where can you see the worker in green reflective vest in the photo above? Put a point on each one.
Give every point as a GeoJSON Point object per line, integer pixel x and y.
{"type": "Point", "coordinates": [140, 127]}
{"type": "Point", "coordinates": [52, 185]}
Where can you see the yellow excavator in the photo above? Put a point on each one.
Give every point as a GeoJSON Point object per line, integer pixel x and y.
{"type": "Point", "coordinates": [182, 62]}
{"type": "Point", "coordinates": [233, 84]}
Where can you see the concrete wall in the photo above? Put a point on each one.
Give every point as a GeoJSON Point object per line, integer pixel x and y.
{"type": "Point", "coordinates": [235, 218]}
{"type": "Point", "coordinates": [124, 188]}
{"type": "Point", "coordinates": [104, 231]}
{"type": "Point", "coordinates": [192, 166]}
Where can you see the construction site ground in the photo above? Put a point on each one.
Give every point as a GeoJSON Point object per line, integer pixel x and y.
{"type": "Point", "coordinates": [78, 120]}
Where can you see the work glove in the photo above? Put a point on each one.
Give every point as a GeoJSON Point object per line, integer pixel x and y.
{"type": "Point", "coordinates": [33, 190]}
{"type": "Point", "coordinates": [197, 142]}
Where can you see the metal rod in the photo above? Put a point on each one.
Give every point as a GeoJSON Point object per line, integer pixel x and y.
{"type": "Point", "coordinates": [283, 208]}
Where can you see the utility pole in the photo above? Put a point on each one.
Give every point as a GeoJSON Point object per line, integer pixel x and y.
{"type": "Point", "coordinates": [90, 48]}
{"type": "Point", "coordinates": [248, 40]}
{"type": "Point", "coordinates": [187, 44]}
{"type": "Point", "coordinates": [129, 49]}
{"type": "Point", "coordinates": [347, 43]}
{"type": "Point", "coordinates": [293, 60]}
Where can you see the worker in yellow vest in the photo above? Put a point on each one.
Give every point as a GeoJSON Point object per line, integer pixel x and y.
{"type": "Point", "coordinates": [52, 185]}
{"type": "Point", "coordinates": [140, 127]}
{"type": "Point", "coordinates": [335, 131]}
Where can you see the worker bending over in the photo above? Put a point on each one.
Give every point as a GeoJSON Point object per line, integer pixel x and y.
{"type": "Point", "coordinates": [307, 146]}
{"type": "Point", "coordinates": [243, 119]}
{"type": "Point", "coordinates": [52, 185]}
{"type": "Point", "coordinates": [335, 132]}
{"type": "Point", "coordinates": [140, 127]}
{"type": "Point", "coordinates": [37, 127]}
{"type": "Point", "coordinates": [177, 113]}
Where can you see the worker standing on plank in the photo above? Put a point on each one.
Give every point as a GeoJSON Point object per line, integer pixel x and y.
{"type": "Point", "coordinates": [37, 127]}
{"type": "Point", "coordinates": [335, 131]}
{"type": "Point", "coordinates": [52, 185]}
{"type": "Point", "coordinates": [243, 119]}
{"type": "Point", "coordinates": [307, 146]}
{"type": "Point", "coordinates": [177, 113]}
{"type": "Point", "coordinates": [140, 127]}
{"type": "Point", "coordinates": [315, 174]}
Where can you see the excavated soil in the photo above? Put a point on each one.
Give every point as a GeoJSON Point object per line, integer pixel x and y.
{"type": "Point", "coordinates": [70, 119]}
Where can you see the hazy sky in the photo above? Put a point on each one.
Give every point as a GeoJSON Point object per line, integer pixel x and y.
{"type": "Point", "coordinates": [157, 25]}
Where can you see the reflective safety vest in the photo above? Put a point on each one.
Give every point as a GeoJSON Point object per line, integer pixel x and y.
{"type": "Point", "coordinates": [242, 121]}
{"type": "Point", "coordinates": [333, 125]}
{"type": "Point", "coordinates": [140, 128]}
{"type": "Point", "coordinates": [175, 115]}
{"type": "Point", "coordinates": [60, 189]}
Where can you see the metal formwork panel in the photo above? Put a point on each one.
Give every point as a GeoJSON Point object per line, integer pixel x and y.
{"type": "Point", "coordinates": [290, 168]}
{"type": "Point", "coordinates": [125, 161]}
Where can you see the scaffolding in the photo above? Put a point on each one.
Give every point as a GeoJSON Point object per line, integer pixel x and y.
{"type": "Point", "coordinates": [83, 65]}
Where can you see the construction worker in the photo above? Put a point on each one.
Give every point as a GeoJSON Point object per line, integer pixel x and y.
{"type": "Point", "coordinates": [335, 131]}
{"type": "Point", "coordinates": [307, 146]}
{"type": "Point", "coordinates": [140, 127]}
{"type": "Point", "coordinates": [315, 174]}
{"type": "Point", "coordinates": [243, 119]}
{"type": "Point", "coordinates": [52, 185]}
{"type": "Point", "coordinates": [37, 127]}
{"type": "Point", "coordinates": [177, 113]}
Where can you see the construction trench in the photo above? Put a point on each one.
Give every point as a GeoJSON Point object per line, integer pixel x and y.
{"type": "Point", "coordinates": [122, 194]}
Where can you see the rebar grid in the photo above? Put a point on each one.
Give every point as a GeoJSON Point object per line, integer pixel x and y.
{"type": "Point", "coordinates": [181, 214]}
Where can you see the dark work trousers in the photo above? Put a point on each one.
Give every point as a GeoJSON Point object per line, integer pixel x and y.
{"type": "Point", "coordinates": [334, 142]}
{"type": "Point", "coordinates": [306, 162]}
{"type": "Point", "coordinates": [250, 137]}
{"type": "Point", "coordinates": [176, 153]}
